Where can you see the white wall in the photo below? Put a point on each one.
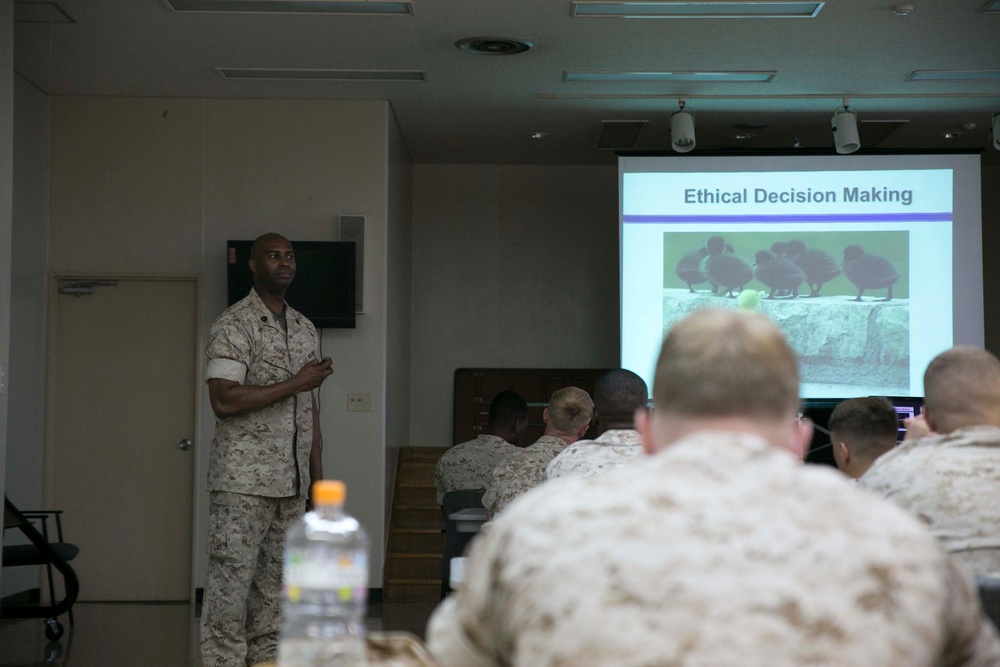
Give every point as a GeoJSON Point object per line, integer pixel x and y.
{"type": "Point", "coordinates": [513, 266]}
{"type": "Point", "coordinates": [6, 181]}
{"type": "Point", "coordinates": [26, 378]}
{"type": "Point", "coordinates": [159, 185]}
{"type": "Point", "coordinates": [398, 322]}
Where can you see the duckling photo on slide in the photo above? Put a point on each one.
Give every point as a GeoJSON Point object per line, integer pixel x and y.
{"type": "Point", "coordinates": [841, 297]}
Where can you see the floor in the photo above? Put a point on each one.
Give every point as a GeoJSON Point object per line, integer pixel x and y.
{"type": "Point", "coordinates": [150, 635]}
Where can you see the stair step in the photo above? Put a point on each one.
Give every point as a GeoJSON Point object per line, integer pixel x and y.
{"type": "Point", "coordinates": [422, 506]}
{"type": "Point", "coordinates": [419, 531]}
{"type": "Point", "coordinates": [414, 555]}
{"type": "Point", "coordinates": [406, 582]}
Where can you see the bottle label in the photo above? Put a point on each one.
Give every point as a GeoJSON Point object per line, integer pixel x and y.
{"type": "Point", "coordinates": [347, 574]}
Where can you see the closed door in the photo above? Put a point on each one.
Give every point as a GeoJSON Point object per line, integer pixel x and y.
{"type": "Point", "coordinates": [122, 405]}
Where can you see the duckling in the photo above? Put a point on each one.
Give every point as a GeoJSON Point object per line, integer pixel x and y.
{"type": "Point", "coordinates": [778, 273]}
{"type": "Point", "coordinates": [868, 271]}
{"type": "Point", "coordinates": [780, 249]}
{"type": "Point", "coordinates": [724, 270]}
{"type": "Point", "coordinates": [818, 266]}
{"type": "Point", "coordinates": [687, 268]}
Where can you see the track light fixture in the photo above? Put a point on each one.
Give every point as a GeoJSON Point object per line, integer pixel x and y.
{"type": "Point", "coordinates": [845, 129]}
{"type": "Point", "coordinates": [682, 130]}
{"type": "Point", "coordinates": [996, 130]}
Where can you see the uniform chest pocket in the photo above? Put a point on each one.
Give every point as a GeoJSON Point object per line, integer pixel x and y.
{"type": "Point", "coordinates": [271, 362]}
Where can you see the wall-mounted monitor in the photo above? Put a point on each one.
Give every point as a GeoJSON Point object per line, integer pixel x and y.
{"type": "Point", "coordinates": [871, 265]}
{"type": "Point", "coordinates": [323, 288]}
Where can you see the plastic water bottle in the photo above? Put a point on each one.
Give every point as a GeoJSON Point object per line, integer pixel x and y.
{"type": "Point", "coordinates": [325, 585]}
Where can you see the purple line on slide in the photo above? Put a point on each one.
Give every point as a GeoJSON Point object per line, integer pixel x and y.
{"type": "Point", "coordinates": [831, 217]}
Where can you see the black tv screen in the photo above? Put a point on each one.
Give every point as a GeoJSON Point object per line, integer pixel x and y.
{"type": "Point", "coordinates": [323, 289]}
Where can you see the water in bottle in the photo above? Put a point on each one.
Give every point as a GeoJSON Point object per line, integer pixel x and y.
{"type": "Point", "coordinates": [325, 585]}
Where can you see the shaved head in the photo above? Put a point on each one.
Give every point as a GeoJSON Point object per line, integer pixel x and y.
{"type": "Point", "coordinates": [272, 262]}
{"type": "Point", "coordinates": [962, 387]}
{"type": "Point", "coordinates": [262, 242]}
{"type": "Point", "coordinates": [618, 394]}
{"type": "Point", "coordinates": [726, 363]}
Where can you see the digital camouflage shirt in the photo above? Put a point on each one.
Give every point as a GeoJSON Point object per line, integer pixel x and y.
{"type": "Point", "coordinates": [521, 472]}
{"type": "Point", "coordinates": [467, 466]}
{"type": "Point", "coordinates": [264, 453]}
{"type": "Point", "coordinates": [585, 458]}
{"type": "Point", "coordinates": [719, 550]}
{"type": "Point", "coordinates": [951, 483]}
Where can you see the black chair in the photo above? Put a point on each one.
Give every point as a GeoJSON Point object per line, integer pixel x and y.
{"type": "Point", "coordinates": [41, 551]}
{"type": "Point", "coordinates": [989, 593]}
{"type": "Point", "coordinates": [456, 541]}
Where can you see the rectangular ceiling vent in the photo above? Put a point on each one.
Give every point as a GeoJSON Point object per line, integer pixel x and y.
{"type": "Point", "coordinates": [697, 9]}
{"type": "Point", "coordinates": [954, 75]}
{"type": "Point", "coordinates": [661, 77]}
{"type": "Point", "coordinates": [992, 8]}
{"type": "Point", "coordinates": [620, 135]}
{"type": "Point", "coordinates": [351, 7]}
{"type": "Point", "coordinates": [874, 132]}
{"type": "Point", "coordinates": [264, 74]}
{"type": "Point", "coordinates": [40, 12]}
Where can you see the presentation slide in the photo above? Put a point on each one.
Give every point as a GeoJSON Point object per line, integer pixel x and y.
{"type": "Point", "coordinates": [855, 259]}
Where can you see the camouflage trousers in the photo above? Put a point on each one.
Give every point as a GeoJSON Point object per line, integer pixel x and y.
{"type": "Point", "coordinates": [241, 614]}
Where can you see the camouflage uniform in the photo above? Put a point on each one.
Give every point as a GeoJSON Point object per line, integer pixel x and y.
{"type": "Point", "coordinates": [258, 478]}
{"type": "Point", "coordinates": [952, 483]}
{"type": "Point", "coordinates": [585, 458]}
{"type": "Point", "coordinates": [720, 550]}
{"type": "Point", "coordinates": [521, 472]}
{"type": "Point", "coordinates": [467, 466]}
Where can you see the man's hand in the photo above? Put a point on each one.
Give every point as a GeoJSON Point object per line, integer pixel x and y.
{"type": "Point", "coordinates": [916, 427]}
{"type": "Point", "coordinates": [312, 374]}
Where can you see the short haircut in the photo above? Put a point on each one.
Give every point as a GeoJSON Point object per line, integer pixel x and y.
{"type": "Point", "coordinates": [260, 244]}
{"type": "Point", "coordinates": [618, 394]}
{"type": "Point", "coordinates": [962, 387]}
{"type": "Point", "coordinates": [726, 363]}
{"type": "Point", "coordinates": [570, 408]}
{"type": "Point", "coordinates": [507, 407]}
{"type": "Point", "coordinates": [869, 426]}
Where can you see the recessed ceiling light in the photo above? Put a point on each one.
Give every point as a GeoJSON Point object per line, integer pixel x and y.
{"type": "Point", "coordinates": [40, 12]}
{"type": "Point", "coordinates": [620, 134]}
{"type": "Point", "coordinates": [540, 135]}
{"type": "Point", "coordinates": [321, 74]}
{"type": "Point", "coordinates": [743, 136]}
{"type": "Point", "coordinates": [695, 9]}
{"type": "Point", "coordinates": [293, 6]}
{"type": "Point", "coordinates": [703, 77]}
{"type": "Point", "coordinates": [493, 46]}
{"type": "Point", "coordinates": [954, 75]}
{"type": "Point", "coordinates": [902, 10]}
{"type": "Point", "coordinates": [953, 135]}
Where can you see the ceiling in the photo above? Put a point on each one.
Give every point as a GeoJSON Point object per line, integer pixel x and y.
{"type": "Point", "coordinates": [478, 108]}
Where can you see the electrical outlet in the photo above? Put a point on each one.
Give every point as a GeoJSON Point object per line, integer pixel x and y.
{"type": "Point", "coordinates": [359, 402]}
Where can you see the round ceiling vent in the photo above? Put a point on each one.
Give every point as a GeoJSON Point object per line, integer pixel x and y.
{"type": "Point", "coordinates": [493, 46]}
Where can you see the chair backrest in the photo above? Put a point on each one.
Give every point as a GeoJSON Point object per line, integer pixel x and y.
{"type": "Point", "coordinates": [989, 593]}
{"type": "Point", "coordinates": [460, 500]}
{"type": "Point", "coordinates": [455, 542]}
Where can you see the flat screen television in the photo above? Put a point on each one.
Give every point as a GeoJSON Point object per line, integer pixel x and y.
{"type": "Point", "coordinates": [323, 289]}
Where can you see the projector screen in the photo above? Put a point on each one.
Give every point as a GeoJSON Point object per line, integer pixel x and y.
{"type": "Point", "coordinates": [870, 265]}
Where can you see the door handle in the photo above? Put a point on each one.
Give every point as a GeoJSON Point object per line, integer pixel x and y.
{"type": "Point", "coordinates": [185, 444]}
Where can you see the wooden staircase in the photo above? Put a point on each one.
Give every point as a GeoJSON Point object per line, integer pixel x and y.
{"type": "Point", "coordinates": [416, 530]}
